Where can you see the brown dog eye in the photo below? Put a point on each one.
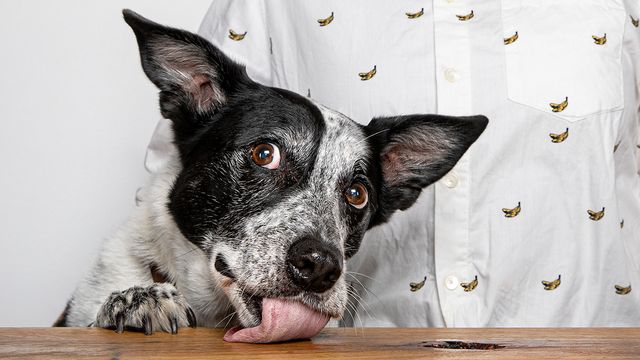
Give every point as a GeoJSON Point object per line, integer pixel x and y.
{"type": "Point", "coordinates": [266, 155]}
{"type": "Point", "coordinates": [357, 195]}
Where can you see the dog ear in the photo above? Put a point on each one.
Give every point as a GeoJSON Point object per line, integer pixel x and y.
{"type": "Point", "coordinates": [194, 77]}
{"type": "Point", "coordinates": [415, 151]}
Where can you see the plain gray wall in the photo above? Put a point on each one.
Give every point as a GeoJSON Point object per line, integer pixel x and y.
{"type": "Point", "coordinates": [76, 114]}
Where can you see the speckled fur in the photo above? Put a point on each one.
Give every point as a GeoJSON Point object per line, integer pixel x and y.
{"type": "Point", "coordinates": [259, 255]}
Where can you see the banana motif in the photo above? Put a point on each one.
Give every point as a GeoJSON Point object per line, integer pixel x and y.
{"type": "Point", "coordinates": [596, 215]}
{"type": "Point", "coordinates": [415, 15]}
{"type": "Point", "coordinates": [551, 285]}
{"type": "Point", "coordinates": [470, 285]}
{"type": "Point", "coordinates": [620, 290]}
{"type": "Point", "coordinates": [512, 212]}
{"type": "Point", "coordinates": [615, 147]}
{"type": "Point", "coordinates": [622, 224]}
{"type": "Point", "coordinates": [235, 36]}
{"type": "Point", "coordinates": [326, 21]}
{"type": "Point", "coordinates": [368, 75]}
{"type": "Point", "coordinates": [635, 22]}
{"type": "Point", "coordinates": [561, 106]}
{"type": "Point", "coordinates": [415, 286]}
{"type": "Point", "coordinates": [558, 138]}
{"type": "Point", "coordinates": [511, 39]}
{"type": "Point", "coordinates": [469, 16]}
{"type": "Point", "coordinates": [599, 40]}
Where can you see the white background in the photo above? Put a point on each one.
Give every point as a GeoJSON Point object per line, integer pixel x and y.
{"type": "Point", "coordinates": [76, 114]}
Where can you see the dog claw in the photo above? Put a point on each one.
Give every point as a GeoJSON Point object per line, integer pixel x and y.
{"type": "Point", "coordinates": [174, 325]}
{"type": "Point", "coordinates": [148, 326]}
{"type": "Point", "coordinates": [120, 323]}
{"type": "Point", "coordinates": [191, 316]}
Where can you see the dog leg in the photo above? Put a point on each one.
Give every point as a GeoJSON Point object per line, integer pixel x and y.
{"type": "Point", "coordinates": [158, 307]}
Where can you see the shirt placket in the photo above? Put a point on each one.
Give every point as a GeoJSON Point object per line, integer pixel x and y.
{"type": "Point", "coordinates": [452, 258]}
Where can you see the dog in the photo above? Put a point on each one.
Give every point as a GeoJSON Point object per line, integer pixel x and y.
{"type": "Point", "coordinates": [267, 196]}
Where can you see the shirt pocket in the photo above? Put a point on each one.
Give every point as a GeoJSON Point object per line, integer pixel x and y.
{"type": "Point", "coordinates": [564, 57]}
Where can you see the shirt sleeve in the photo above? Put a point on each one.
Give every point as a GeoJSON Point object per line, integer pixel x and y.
{"type": "Point", "coordinates": [241, 17]}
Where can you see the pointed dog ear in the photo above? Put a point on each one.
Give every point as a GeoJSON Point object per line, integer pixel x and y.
{"type": "Point", "coordinates": [194, 77]}
{"type": "Point", "coordinates": [416, 151]}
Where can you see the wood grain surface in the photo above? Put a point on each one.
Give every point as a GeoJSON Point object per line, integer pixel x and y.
{"type": "Point", "coordinates": [369, 343]}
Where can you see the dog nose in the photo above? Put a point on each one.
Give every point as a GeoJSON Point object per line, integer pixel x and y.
{"type": "Point", "coordinates": [312, 265]}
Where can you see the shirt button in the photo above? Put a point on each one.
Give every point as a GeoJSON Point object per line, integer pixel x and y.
{"type": "Point", "coordinates": [451, 75]}
{"type": "Point", "coordinates": [450, 180]}
{"type": "Point", "coordinates": [451, 282]}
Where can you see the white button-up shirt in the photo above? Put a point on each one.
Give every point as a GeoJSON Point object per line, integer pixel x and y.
{"type": "Point", "coordinates": [539, 223]}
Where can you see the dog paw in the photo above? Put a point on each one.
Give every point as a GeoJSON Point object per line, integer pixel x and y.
{"type": "Point", "coordinates": [158, 307]}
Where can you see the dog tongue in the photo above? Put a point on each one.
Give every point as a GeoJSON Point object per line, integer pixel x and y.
{"type": "Point", "coordinates": [282, 320]}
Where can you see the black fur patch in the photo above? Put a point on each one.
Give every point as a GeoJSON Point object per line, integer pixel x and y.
{"type": "Point", "coordinates": [220, 185]}
{"type": "Point", "coordinates": [62, 319]}
{"type": "Point", "coordinates": [415, 151]}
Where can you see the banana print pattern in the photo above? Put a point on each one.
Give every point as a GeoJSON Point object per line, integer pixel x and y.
{"type": "Point", "coordinates": [469, 16]}
{"type": "Point", "coordinates": [551, 285]}
{"type": "Point", "coordinates": [368, 75]}
{"type": "Point", "coordinates": [561, 106]}
{"type": "Point", "coordinates": [511, 39]}
{"type": "Point", "coordinates": [470, 286]}
{"type": "Point", "coordinates": [416, 14]}
{"type": "Point", "coordinates": [555, 138]}
{"type": "Point", "coordinates": [509, 213]}
{"type": "Point", "coordinates": [599, 40]}
{"type": "Point", "coordinates": [326, 21]}
{"type": "Point", "coordinates": [620, 290]}
{"type": "Point", "coordinates": [235, 36]}
{"type": "Point", "coordinates": [596, 215]}
{"type": "Point", "coordinates": [558, 138]}
{"type": "Point", "coordinates": [415, 286]}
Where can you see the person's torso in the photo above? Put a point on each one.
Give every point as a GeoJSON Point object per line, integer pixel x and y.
{"type": "Point", "coordinates": [540, 220]}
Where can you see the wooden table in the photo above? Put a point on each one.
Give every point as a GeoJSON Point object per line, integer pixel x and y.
{"type": "Point", "coordinates": [370, 343]}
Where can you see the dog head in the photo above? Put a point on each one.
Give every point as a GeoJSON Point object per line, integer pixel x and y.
{"type": "Point", "coordinates": [277, 190]}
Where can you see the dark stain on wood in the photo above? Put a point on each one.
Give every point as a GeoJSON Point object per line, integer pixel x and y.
{"type": "Point", "coordinates": [461, 345]}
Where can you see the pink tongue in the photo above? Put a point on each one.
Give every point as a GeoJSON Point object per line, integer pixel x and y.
{"type": "Point", "coordinates": [282, 320]}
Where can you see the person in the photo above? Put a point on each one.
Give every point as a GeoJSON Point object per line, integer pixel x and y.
{"type": "Point", "coordinates": [539, 223]}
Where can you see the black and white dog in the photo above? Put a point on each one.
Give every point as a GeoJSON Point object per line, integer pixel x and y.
{"type": "Point", "coordinates": [267, 196]}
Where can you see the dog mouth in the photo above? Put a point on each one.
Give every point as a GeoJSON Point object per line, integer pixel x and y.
{"type": "Point", "coordinates": [280, 319]}
{"type": "Point", "coordinates": [278, 313]}
{"type": "Point", "coordinates": [267, 318]}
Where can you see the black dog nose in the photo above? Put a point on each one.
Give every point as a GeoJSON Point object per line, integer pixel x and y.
{"type": "Point", "coordinates": [313, 265]}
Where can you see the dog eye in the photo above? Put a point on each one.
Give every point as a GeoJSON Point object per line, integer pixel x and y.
{"type": "Point", "coordinates": [357, 195]}
{"type": "Point", "coordinates": [266, 155]}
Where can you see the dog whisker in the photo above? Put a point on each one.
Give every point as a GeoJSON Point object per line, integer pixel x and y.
{"type": "Point", "coordinates": [187, 253]}
{"type": "Point", "coordinates": [359, 300]}
{"type": "Point", "coordinates": [353, 312]}
{"type": "Point", "coordinates": [365, 288]}
{"type": "Point", "coordinates": [352, 273]}
{"type": "Point", "coordinates": [361, 303]}
{"type": "Point", "coordinates": [230, 318]}
{"type": "Point", "coordinates": [372, 135]}
{"type": "Point", "coordinates": [225, 318]}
